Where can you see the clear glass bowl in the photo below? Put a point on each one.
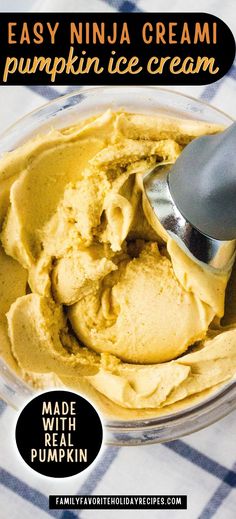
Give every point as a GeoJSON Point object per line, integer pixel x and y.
{"type": "Point", "coordinates": [63, 112]}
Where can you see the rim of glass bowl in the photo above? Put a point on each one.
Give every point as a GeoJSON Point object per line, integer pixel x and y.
{"type": "Point", "coordinates": [121, 432]}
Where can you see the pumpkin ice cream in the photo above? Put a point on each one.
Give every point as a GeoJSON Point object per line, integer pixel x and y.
{"type": "Point", "coordinates": [94, 294]}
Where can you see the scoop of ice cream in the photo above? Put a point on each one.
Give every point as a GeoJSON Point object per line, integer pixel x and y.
{"type": "Point", "coordinates": [134, 314]}
{"type": "Point", "coordinates": [39, 322]}
{"type": "Point", "coordinates": [77, 275]}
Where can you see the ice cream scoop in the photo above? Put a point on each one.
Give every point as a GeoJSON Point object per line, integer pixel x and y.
{"type": "Point", "coordinates": [194, 199]}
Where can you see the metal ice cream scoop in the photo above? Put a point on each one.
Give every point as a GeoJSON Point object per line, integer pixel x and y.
{"type": "Point", "coordinates": [195, 198]}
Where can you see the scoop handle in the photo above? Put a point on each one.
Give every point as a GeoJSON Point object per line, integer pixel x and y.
{"type": "Point", "coordinates": [202, 183]}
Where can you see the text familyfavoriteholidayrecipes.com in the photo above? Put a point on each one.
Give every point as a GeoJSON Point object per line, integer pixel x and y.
{"type": "Point", "coordinates": [118, 501]}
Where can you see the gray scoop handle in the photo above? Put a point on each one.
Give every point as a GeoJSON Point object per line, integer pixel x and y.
{"type": "Point", "coordinates": [202, 183]}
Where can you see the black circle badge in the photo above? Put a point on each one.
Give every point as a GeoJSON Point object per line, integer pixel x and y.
{"type": "Point", "coordinates": [59, 434]}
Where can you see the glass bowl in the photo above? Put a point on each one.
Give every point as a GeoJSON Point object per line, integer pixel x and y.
{"type": "Point", "coordinates": [63, 112]}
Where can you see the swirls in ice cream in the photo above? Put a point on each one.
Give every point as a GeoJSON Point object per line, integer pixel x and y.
{"type": "Point", "coordinates": [94, 294]}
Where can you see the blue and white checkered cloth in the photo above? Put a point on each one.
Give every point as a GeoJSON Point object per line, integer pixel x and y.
{"type": "Point", "coordinates": [203, 465]}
